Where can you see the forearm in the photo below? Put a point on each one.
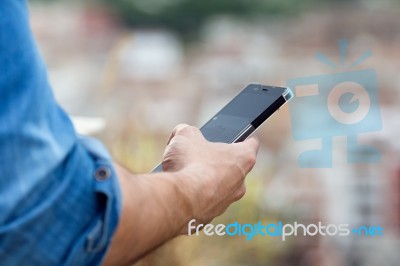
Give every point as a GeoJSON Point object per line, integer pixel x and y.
{"type": "Point", "coordinates": [153, 212]}
{"type": "Point", "coordinates": [204, 178]}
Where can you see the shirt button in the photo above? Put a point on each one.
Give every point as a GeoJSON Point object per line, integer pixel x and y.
{"type": "Point", "coordinates": [102, 173]}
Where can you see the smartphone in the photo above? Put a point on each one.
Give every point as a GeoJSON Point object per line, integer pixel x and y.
{"type": "Point", "coordinates": [237, 120]}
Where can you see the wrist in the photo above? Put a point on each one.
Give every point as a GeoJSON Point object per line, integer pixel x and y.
{"type": "Point", "coordinates": [184, 197]}
{"type": "Point", "coordinates": [173, 200]}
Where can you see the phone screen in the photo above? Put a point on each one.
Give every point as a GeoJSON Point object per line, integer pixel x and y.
{"type": "Point", "coordinates": [245, 108]}
{"type": "Point", "coordinates": [224, 128]}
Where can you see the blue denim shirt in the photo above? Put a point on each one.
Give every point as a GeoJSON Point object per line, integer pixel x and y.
{"type": "Point", "coordinates": [59, 196]}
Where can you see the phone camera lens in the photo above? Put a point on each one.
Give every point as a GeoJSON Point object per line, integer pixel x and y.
{"type": "Point", "coordinates": [264, 89]}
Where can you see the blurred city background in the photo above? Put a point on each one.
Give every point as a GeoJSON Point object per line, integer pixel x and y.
{"type": "Point", "coordinates": [139, 67]}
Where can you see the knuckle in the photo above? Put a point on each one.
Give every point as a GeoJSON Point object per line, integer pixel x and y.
{"type": "Point", "coordinates": [176, 140]}
{"type": "Point", "coordinates": [240, 192]}
{"type": "Point", "coordinates": [192, 129]}
{"type": "Point", "coordinates": [179, 127]}
{"type": "Point", "coordinates": [247, 163]}
{"type": "Point", "coordinates": [174, 148]}
{"type": "Point", "coordinates": [246, 159]}
{"type": "Point", "coordinates": [188, 131]}
{"type": "Point", "coordinates": [184, 129]}
{"type": "Point", "coordinates": [196, 130]}
{"type": "Point", "coordinates": [251, 160]}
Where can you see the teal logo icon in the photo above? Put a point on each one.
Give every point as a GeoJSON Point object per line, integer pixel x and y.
{"type": "Point", "coordinates": [343, 103]}
{"type": "Point", "coordinates": [348, 102]}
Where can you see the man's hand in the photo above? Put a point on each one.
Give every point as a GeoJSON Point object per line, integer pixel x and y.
{"type": "Point", "coordinates": [211, 175]}
{"type": "Point", "coordinates": [200, 180]}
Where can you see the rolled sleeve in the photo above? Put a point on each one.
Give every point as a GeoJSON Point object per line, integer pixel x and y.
{"type": "Point", "coordinates": [106, 187]}
{"type": "Point", "coordinates": [73, 220]}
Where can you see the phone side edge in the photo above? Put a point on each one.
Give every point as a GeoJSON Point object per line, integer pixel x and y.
{"type": "Point", "coordinates": [286, 96]}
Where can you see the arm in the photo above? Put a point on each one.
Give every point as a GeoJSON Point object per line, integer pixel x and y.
{"type": "Point", "coordinates": [200, 181]}
{"type": "Point", "coordinates": [52, 199]}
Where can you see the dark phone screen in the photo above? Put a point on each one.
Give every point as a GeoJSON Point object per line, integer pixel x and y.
{"type": "Point", "coordinates": [237, 114]}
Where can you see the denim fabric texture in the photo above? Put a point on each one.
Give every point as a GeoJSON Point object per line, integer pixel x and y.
{"type": "Point", "coordinates": [60, 200]}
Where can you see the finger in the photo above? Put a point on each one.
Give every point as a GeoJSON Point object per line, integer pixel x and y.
{"type": "Point", "coordinates": [175, 130]}
{"type": "Point", "coordinates": [247, 152]}
{"type": "Point", "coordinates": [250, 145]}
{"type": "Point", "coordinates": [253, 143]}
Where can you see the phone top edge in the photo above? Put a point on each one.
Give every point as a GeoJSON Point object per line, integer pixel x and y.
{"type": "Point", "coordinates": [288, 94]}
